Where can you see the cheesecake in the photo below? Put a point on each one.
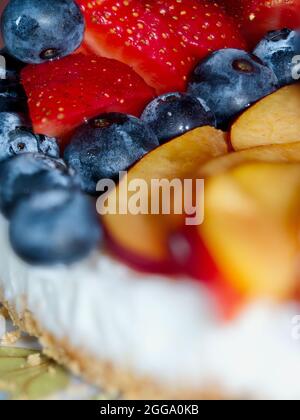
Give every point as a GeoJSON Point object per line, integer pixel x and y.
{"type": "Point", "coordinates": [134, 101]}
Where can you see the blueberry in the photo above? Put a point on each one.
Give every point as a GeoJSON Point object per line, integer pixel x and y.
{"type": "Point", "coordinates": [55, 226]}
{"type": "Point", "coordinates": [107, 145]}
{"type": "Point", "coordinates": [9, 122]}
{"type": "Point", "coordinates": [277, 49]}
{"type": "Point", "coordinates": [16, 137]}
{"type": "Point", "coordinates": [231, 80]}
{"type": "Point", "coordinates": [22, 140]}
{"type": "Point", "coordinates": [174, 114]}
{"type": "Point", "coordinates": [12, 97]}
{"type": "Point", "coordinates": [28, 173]}
{"type": "Point", "coordinates": [10, 67]}
{"type": "Point", "coordinates": [48, 146]}
{"type": "Point", "coordinates": [35, 31]}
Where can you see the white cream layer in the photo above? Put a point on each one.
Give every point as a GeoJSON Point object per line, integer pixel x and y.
{"type": "Point", "coordinates": [157, 327]}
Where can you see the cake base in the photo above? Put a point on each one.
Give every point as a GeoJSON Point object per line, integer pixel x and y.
{"type": "Point", "coordinates": [103, 374]}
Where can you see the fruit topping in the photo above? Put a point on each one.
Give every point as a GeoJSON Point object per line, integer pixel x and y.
{"type": "Point", "coordinates": [10, 122]}
{"type": "Point", "coordinates": [35, 31]}
{"type": "Point", "coordinates": [55, 226]}
{"type": "Point", "coordinates": [278, 49]}
{"type": "Point", "coordinates": [63, 94]}
{"type": "Point", "coordinates": [201, 266]}
{"type": "Point", "coordinates": [22, 140]}
{"type": "Point", "coordinates": [27, 173]}
{"type": "Point", "coordinates": [231, 80]}
{"type": "Point", "coordinates": [144, 239]}
{"type": "Point", "coordinates": [48, 146]}
{"type": "Point", "coordinates": [107, 145]}
{"type": "Point", "coordinates": [248, 245]}
{"type": "Point", "coordinates": [174, 114]}
{"type": "Point", "coordinates": [275, 119]}
{"type": "Point", "coordinates": [257, 17]}
{"type": "Point", "coordinates": [161, 40]}
{"type": "Point", "coordinates": [251, 227]}
{"type": "Point", "coordinates": [12, 68]}
{"type": "Point", "coordinates": [12, 97]}
{"type": "Point", "coordinates": [289, 152]}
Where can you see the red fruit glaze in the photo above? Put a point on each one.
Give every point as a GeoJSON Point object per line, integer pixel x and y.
{"type": "Point", "coordinates": [138, 263]}
{"type": "Point", "coordinates": [199, 264]}
{"type": "Point", "coordinates": [162, 39]}
{"type": "Point", "coordinates": [63, 93]}
{"type": "Point", "coordinates": [256, 17]}
{"type": "Point", "coordinates": [188, 256]}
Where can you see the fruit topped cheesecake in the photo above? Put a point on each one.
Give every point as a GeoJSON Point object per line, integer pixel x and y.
{"type": "Point", "coordinates": [150, 192]}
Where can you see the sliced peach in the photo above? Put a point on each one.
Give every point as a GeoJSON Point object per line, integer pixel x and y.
{"type": "Point", "coordinates": [272, 153]}
{"type": "Point", "coordinates": [251, 228]}
{"type": "Point", "coordinates": [146, 237]}
{"type": "Point", "coordinates": [273, 120]}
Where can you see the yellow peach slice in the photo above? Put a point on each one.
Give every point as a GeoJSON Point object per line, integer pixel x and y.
{"type": "Point", "coordinates": [273, 120]}
{"type": "Point", "coordinates": [272, 153]}
{"type": "Point", "coordinates": [251, 227]}
{"type": "Point", "coordinates": [146, 236]}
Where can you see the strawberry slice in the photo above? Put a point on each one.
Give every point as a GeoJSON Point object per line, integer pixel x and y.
{"type": "Point", "coordinates": [256, 17]}
{"type": "Point", "coordinates": [161, 39]}
{"type": "Point", "coordinates": [201, 25]}
{"type": "Point", "coordinates": [63, 93]}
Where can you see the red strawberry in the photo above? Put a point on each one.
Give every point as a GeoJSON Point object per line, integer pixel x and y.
{"type": "Point", "coordinates": [256, 17]}
{"type": "Point", "coordinates": [62, 94]}
{"type": "Point", "coordinates": [161, 39]}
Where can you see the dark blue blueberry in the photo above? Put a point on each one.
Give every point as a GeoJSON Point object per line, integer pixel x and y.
{"type": "Point", "coordinates": [48, 145]}
{"type": "Point", "coordinates": [10, 67]}
{"type": "Point", "coordinates": [9, 122]}
{"type": "Point", "coordinates": [54, 227]}
{"type": "Point", "coordinates": [12, 97]}
{"type": "Point", "coordinates": [174, 114]}
{"type": "Point", "coordinates": [231, 80]}
{"type": "Point", "coordinates": [22, 140]}
{"type": "Point", "coordinates": [16, 137]}
{"type": "Point", "coordinates": [277, 50]}
{"type": "Point", "coordinates": [28, 173]}
{"type": "Point", "coordinates": [107, 145]}
{"type": "Point", "coordinates": [35, 31]}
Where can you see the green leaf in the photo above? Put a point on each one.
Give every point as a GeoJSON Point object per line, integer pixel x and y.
{"type": "Point", "coordinates": [24, 381]}
{"type": "Point", "coordinates": [14, 352]}
{"type": "Point", "coordinates": [48, 383]}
